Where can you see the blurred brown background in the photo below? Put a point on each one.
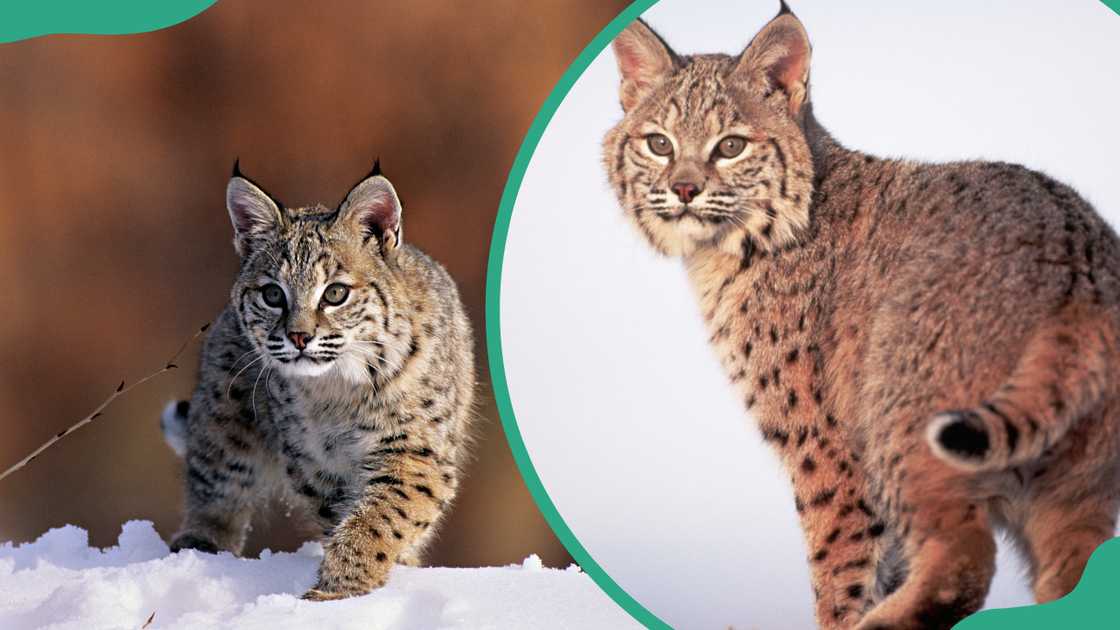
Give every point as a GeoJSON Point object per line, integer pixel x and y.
{"type": "Point", "coordinates": [115, 243]}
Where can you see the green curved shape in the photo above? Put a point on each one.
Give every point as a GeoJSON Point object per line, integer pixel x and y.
{"type": "Point", "coordinates": [493, 319]}
{"type": "Point", "coordinates": [1086, 607]}
{"type": "Point", "coordinates": [23, 19]}
{"type": "Point", "coordinates": [1093, 604]}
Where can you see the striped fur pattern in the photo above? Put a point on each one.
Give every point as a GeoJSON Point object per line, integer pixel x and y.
{"type": "Point", "coordinates": [352, 404]}
{"type": "Point", "coordinates": [931, 349]}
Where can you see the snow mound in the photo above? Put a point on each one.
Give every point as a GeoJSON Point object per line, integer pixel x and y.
{"type": "Point", "coordinates": [60, 582]}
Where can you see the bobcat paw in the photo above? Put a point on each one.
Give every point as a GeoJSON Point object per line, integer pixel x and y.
{"type": "Point", "coordinates": [316, 595]}
{"type": "Point", "coordinates": [327, 590]}
{"type": "Point", "coordinates": [192, 541]}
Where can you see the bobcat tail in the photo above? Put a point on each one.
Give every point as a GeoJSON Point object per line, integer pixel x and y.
{"type": "Point", "coordinates": [173, 421]}
{"type": "Point", "coordinates": [1063, 373]}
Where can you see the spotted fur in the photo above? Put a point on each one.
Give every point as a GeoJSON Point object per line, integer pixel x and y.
{"type": "Point", "coordinates": [931, 348]}
{"type": "Point", "coordinates": [364, 429]}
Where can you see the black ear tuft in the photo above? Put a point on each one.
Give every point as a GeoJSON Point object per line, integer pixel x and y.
{"type": "Point", "coordinates": [784, 8]}
{"type": "Point", "coordinates": [644, 60]}
{"type": "Point", "coordinates": [374, 172]}
{"type": "Point", "coordinates": [777, 59]}
{"type": "Point", "coordinates": [253, 212]}
{"type": "Point", "coordinates": [373, 207]}
{"type": "Point", "coordinates": [237, 173]}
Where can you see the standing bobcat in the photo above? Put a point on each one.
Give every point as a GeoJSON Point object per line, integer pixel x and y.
{"type": "Point", "coordinates": [341, 373]}
{"type": "Point", "coordinates": [932, 349]}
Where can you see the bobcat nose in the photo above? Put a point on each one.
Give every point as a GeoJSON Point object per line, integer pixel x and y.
{"type": "Point", "coordinates": [300, 339]}
{"type": "Point", "coordinates": [686, 191]}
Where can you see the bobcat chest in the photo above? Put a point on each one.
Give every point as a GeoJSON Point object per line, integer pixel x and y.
{"type": "Point", "coordinates": [329, 438]}
{"type": "Point", "coordinates": [759, 319]}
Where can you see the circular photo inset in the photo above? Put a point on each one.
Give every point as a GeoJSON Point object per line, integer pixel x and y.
{"type": "Point", "coordinates": [809, 317]}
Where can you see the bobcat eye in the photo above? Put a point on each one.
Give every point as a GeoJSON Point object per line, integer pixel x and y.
{"type": "Point", "coordinates": [336, 294]}
{"type": "Point", "coordinates": [730, 147]}
{"type": "Point", "coordinates": [659, 144]}
{"type": "Point", "coordinates": [273, 295]}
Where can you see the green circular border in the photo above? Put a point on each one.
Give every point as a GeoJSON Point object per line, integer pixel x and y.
{"type": "Point", "coordinates": [982, 620]}
{"type": "Point", "coordinates": [493, 319]}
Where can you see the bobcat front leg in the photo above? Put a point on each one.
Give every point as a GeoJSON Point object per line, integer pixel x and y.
{"type": "Point", "coordinates": [831, 487]}
{"type": "Point", "coordinates": [841, 530]}
{"type": "Point", "coordinates": [389, 524]}
{"type": "Point", "coordinates": [225, 463]}
{"type": "Point", "coordinates": [226, 455]}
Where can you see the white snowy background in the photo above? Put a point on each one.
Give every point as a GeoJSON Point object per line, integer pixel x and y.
{"type": "Point", "coordinates": [59, 582]}
{"type": "Point", "coordinates": [624, 409]}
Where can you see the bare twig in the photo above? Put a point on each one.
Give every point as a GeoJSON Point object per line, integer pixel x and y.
{"type": "Point", "coordinates": [120, 391]}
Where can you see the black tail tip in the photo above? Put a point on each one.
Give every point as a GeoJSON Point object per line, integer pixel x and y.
{"type": "Point", "coordinates": [963, 435]}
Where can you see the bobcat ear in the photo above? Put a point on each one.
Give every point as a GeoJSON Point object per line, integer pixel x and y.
{"type": "Point", "coordinates": [374, 208]}
{"type": "Point", "coordinates": [251, 210]}
{"type": "Point", "coordinates": [644, 61]}
{"type": "Point", "coordinates": [778, 58]}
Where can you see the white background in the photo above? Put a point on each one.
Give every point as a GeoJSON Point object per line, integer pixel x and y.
{"type": "Point", "coordinates": [626, 414]}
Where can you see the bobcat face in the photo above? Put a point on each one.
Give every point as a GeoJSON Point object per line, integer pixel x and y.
{"type": "Point", "coordinates": [303, 306]}
{"type": "Point", "coordinates": [710, 151]}
{"type": "Point", "coordinates": [312, 291]}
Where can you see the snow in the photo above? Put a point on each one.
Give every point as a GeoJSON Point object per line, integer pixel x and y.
{"type": "Point", "coordinates": [60, 582]}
